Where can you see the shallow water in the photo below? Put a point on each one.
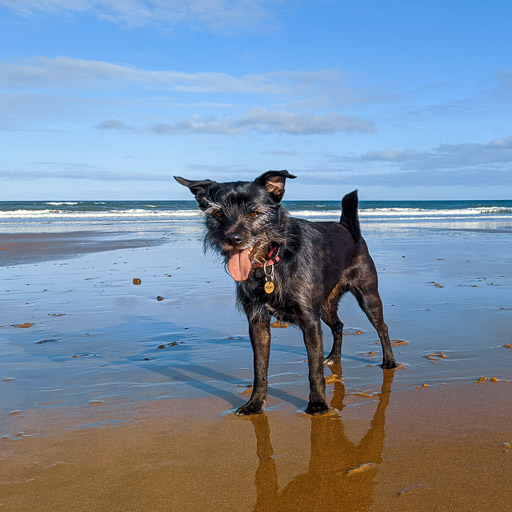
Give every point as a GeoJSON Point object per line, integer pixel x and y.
{"type": "Point", "coordinates": [96, 336]}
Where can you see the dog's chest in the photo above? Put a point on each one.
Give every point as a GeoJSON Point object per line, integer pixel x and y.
{"type": "Point", "coordinates": [258, 297]}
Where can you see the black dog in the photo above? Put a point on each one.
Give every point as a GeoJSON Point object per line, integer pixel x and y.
{"type": "Point", "coordinates": [292, 269]}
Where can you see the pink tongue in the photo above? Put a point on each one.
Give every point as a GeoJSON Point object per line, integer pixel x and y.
{"type": "Point", "coordinates": [239, 265]}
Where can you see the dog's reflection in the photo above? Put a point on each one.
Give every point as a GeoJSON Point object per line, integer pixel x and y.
{"type": "Point", "coordinates": [329, 484]}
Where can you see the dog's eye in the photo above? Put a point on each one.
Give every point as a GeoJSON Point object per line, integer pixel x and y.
{"type": "Point", "coordinates": [254, 213]}
{"type": "Point", "coordinates": [217, 214]}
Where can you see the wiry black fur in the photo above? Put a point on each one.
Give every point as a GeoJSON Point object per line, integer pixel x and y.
{"type": "Point", "coordinates": [320, 261]}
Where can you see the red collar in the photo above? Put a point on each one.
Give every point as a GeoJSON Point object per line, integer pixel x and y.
{"type": "Point", "coordinates": [272, 257]}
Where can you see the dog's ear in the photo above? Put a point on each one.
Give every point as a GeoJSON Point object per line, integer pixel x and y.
{"type": "Point", "coordinates": [199, 188]}
{"type": "Point", "coordinates": [273, 182]}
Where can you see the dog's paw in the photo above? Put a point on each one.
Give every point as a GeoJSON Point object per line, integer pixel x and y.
{"type": "Point", "coordinates": [389, 364]}
{"type": "Point", "coordinates": [317, 407]}
{"type": "Point", "coordinates": [249, 408]}
{"type": "Point", "coordinates": [331, 360]}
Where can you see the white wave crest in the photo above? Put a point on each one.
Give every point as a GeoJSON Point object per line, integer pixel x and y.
{"type": "Point", "coordinates": [409, 212]}
{"type": "Point", "coordinates": [62, 203]}
{"type": "Point", "coordinates": [112, 214]}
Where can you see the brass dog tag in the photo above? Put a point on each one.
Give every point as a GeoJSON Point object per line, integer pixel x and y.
{"type": "Point", "coordinates": [269, 284]}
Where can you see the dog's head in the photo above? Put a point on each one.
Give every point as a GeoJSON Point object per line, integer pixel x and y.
{"type": "Point", "coordinates": [242, 217]}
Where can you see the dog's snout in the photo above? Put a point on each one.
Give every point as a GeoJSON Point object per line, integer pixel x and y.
{"type": "Point", "coordinates": [233, 239]}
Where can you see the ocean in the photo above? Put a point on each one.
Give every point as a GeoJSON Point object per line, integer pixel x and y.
{"type": "Point", "coordinates": [62, 216]}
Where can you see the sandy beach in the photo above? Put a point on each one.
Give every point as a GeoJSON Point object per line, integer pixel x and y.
{"type": "Point", "coordinates": [119, 396]}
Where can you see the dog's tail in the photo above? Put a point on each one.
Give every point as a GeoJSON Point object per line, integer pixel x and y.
{"type": "Point", "coordinates": [349, 215]}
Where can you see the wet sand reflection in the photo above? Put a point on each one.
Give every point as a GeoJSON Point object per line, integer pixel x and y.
{"type": "Point", "coordinates": [341, 473]}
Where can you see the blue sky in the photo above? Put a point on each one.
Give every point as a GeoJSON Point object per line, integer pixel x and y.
{"type": "Point", "coordinates": [400, 99]}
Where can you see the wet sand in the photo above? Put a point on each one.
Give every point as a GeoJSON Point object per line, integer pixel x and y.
{"type": "Point", "coordinates": [113, 399]}
{"type": "Point", "coordinates": [416, 450]}
{"type": "Point", "coordinates": [19, 248]}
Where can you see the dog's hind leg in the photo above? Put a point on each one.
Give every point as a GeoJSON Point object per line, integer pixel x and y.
{"type": "Point", "coordinates": [331, 318]}
{"type": "Point", "coordinates": [371, 303]}
{"type": "Point", "coordinates": [259, 332]}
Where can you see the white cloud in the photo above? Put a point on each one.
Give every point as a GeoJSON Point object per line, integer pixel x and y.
{"type": "Point", "coordinates": [195, 124]}
{"type": "Point", "coordinates": [301, 124]}
{"type": "Point", "coordinates": [257, 119]}
{"type": "Point", "coordinates": [55, 170]}
{"type": "Point", "coordinates": [502, 142]}
{"type": "Point", "coordinates": [114, 124]}
{"type": "Point", "coordinates": [224, 16]}
{"type": "Point", "coordinates": [306, 89]}
{"type": "Point", "coordinates": [391, 155]}
{"type": "Point", "coordinates": [445, 156]}
{"type": "Point", "coordinates": [470, 165]}
{"type": "Point", "coordinates": [64, 72]}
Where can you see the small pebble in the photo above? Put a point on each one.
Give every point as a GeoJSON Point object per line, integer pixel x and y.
{"type": "Point", "coordinates": [360, 468]}
{"type": "Point", "coordinates": [170, 344]}
{"type": "Point", "coordinates": [136, 280]}
{"type": "Point", "coordinates": [408, 489]}
{"type": "Point", "coordinates": [506, 447]}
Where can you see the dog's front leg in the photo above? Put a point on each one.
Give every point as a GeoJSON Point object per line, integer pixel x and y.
{"type": "Point", "coordinates": [259, 331]}
{"type": "Point", "coordinates": [314, 346]}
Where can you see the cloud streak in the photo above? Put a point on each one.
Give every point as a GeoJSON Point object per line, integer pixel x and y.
{"type": "Point", "coordinates": [447, 156]}
{"type": "Point", "coordinates": [462, 165]}
{"type": "Point", "coordinates": [115, 125]}
{"type": "Point", "coordinates": [220, 16]}
{"type": "Point", "coordinates": [256, 120]}
{"type": "Point", "coordinates": [64, 72]}
{"type": "Point", "coordinates": [74, 171]}
{"type": "Point", "coordinates": [306, 89]}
